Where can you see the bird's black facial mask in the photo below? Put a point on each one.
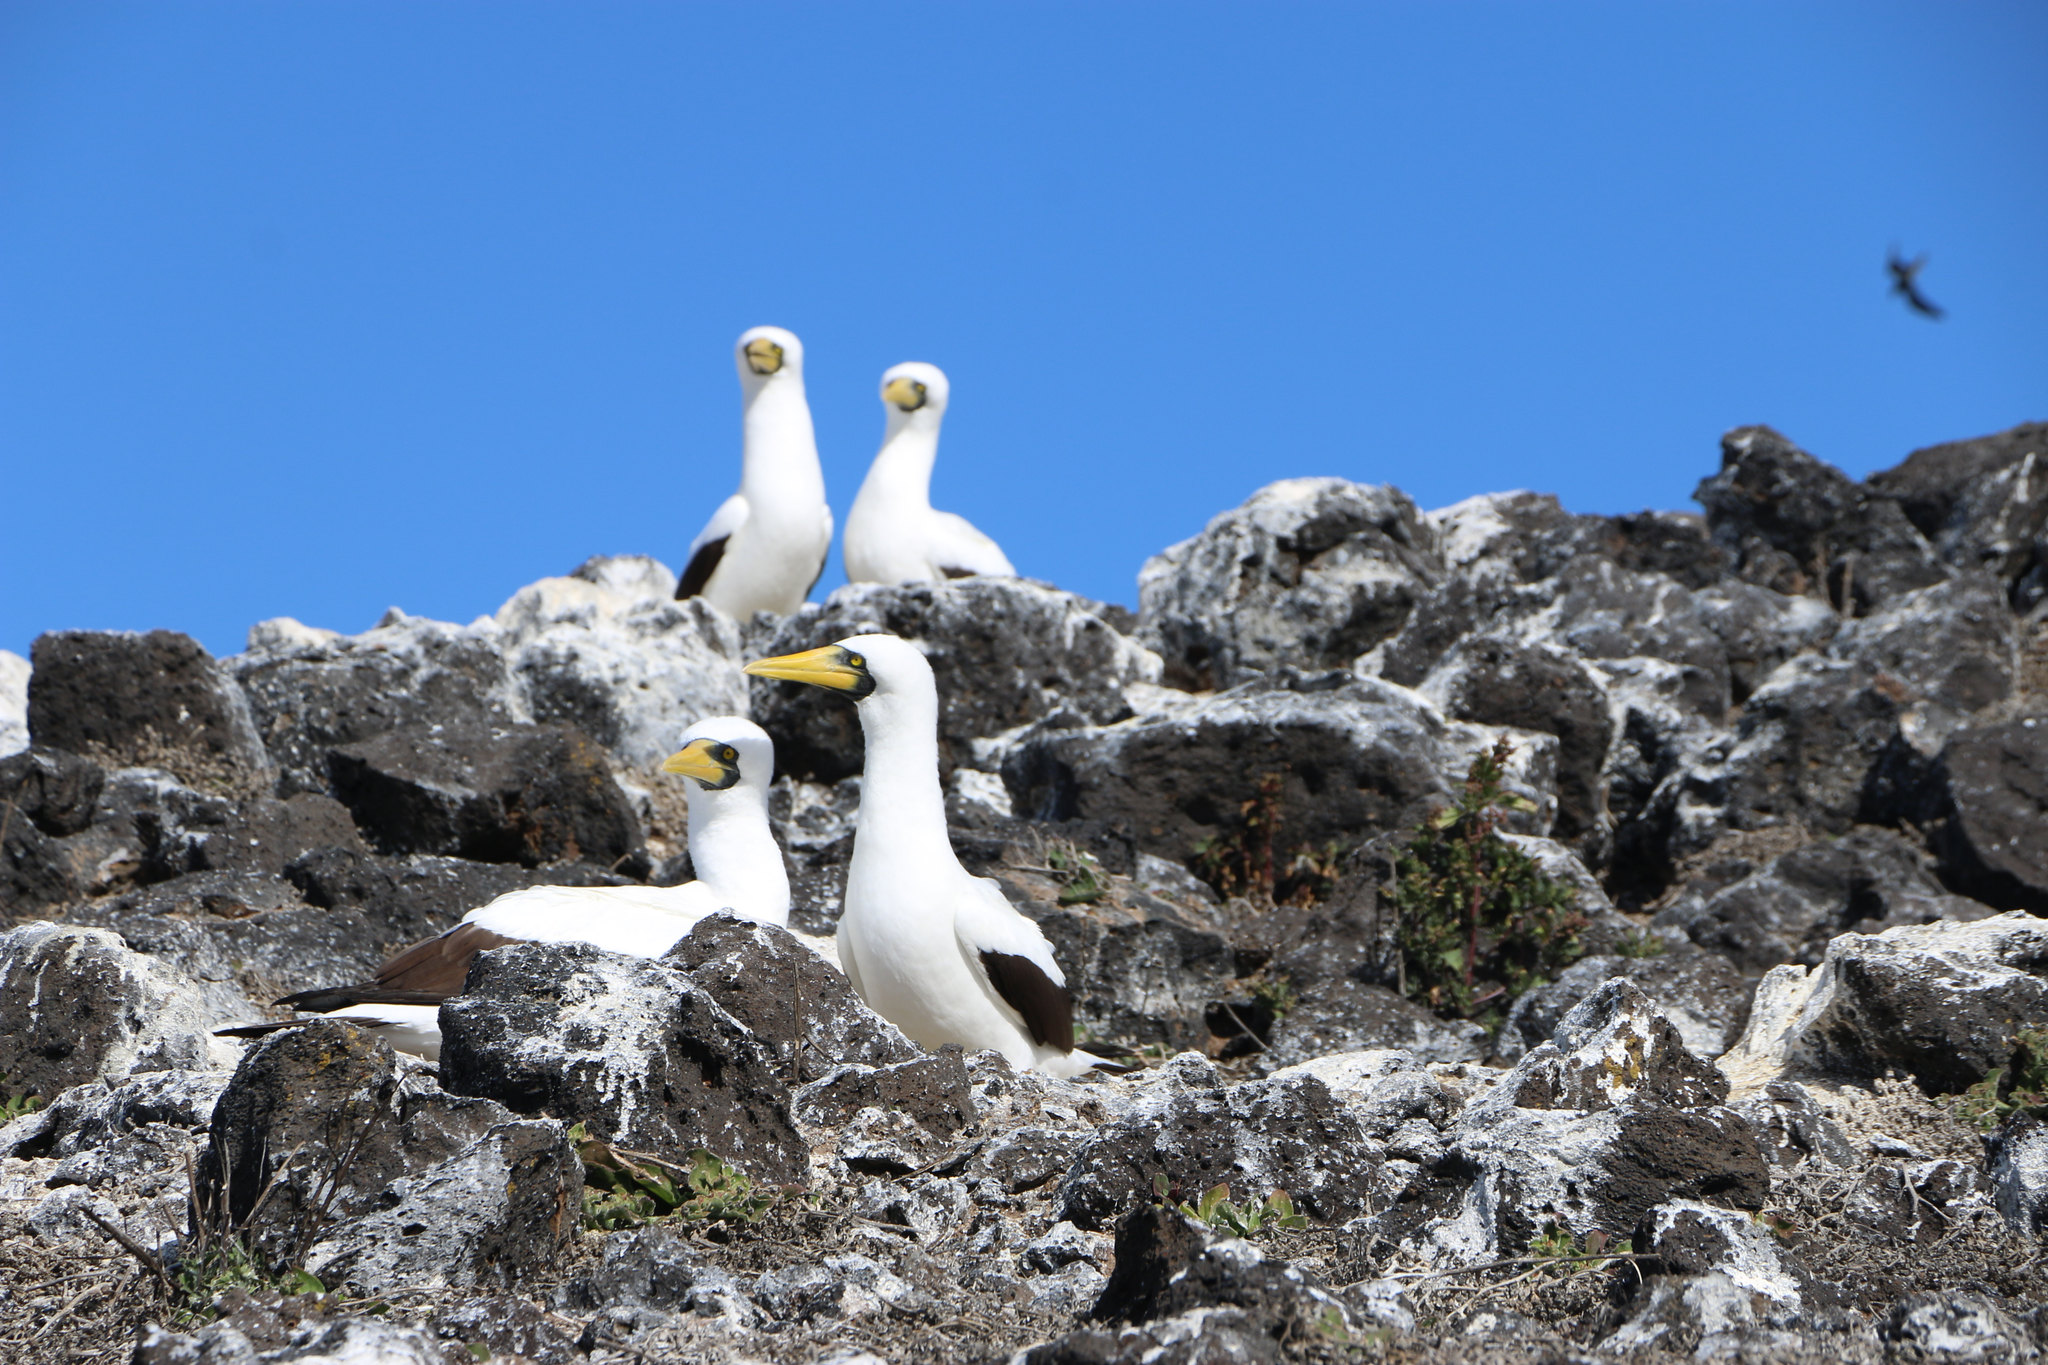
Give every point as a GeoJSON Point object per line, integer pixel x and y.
{"type": "Point", "coordinates": [834, 668]}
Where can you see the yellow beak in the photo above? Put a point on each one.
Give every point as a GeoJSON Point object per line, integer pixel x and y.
{"type": "Point", "coordinates": [907, 394]}
{"type": "Point", "coordinates": [832, 667]}
{"type": "Point", "coordinates": [763, 356]}
{"type": "Point", "coordinates": [706, 761]}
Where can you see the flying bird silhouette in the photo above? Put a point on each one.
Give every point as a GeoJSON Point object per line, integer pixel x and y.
{"type": "Point", "coordinates": [1904, 285]}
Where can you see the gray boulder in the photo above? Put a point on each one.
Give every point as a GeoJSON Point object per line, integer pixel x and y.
{"type": "Point", "coordinates": [2019, 1174]}
{"type": "Point", "coordinates": [1355, 756]}
{"type": "Point", "coordinates": [1984, 801]}
{"type": "Point", "coordinates": [1939, 1001]}
{"type": "Point", "coordinates": [312, 691]}
{"type": "Point", "coordinates": [1005, 652]}
{"type": "Point", "coordinates": [76, 1005]}
{"type": "Point", "coordinates": [632, 1047]}
{"type": "Point", "coordinates": [1701, 993]}
{"type": "Point", "coordinates": [1797, 525]}
{"type": "Point", "coordinates": [510, 794]}
{"type": "Point", "coordinates": [1592, 1130]}
{"type": "Point", "coordinates": [1982, 504]}
{"type": "Point", "coordinates": [1791, 908]}
{"type": "Point", "coordinates": [610, 651]}
{"type": "Point", "coordinates": [1310, 573]}
{"type": "Point", "coordinates": [155, 700]}
{"type": "Point", "coordinates": [13, 703]}
{"type": "Point", "coordinates": [331, 1153]}
{"type": "Point", "coordinates": [1260, 1136]}
{"type": "Point", "coordinates": [1954, 644]}
{"type": "Point", "coordinates": [1719, 1277]}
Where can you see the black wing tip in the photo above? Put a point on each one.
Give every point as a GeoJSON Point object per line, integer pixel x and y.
{"type": "Point", "coordinates": [1046, 1006]}
{"type": "Point", "coordinates": [333, 998]}
{"type": "Point", "coordinates": [702, 565]}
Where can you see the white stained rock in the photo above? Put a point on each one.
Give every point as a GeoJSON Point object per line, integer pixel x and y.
{"type": "Point", "coordinates": [76, 1005]}
{"type": "Point", "coordinates": [1940, 1000]}
{"type": "Point", "coordinates": [1732, 1278]}
{"type": "Point", "coordinates": [1382, 1087]}
{"type": "Point", "coordinates": [2019, 1176]}
{"type": "Point", "coordinates": [13, 703]}
{"type": "Point", "coordinates": [610, 650]}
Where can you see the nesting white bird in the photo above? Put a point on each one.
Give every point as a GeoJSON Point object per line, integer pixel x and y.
{"type": "Point", "coordinates": [764, 548]}
{"type": "Point", "coordinates": [892, 534]}
{"type": "Point", "coordinates": [936, 951]}
{"type": "Point", "coordinates": [728, 762]}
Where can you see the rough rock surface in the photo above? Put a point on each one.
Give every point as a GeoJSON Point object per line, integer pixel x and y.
{"type": "Point", "coordinates": [1309, 573]}
{"type": "Point", "coordinates": [1792, 738]}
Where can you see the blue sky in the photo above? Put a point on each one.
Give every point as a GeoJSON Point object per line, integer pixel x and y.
{"type": "Point", "coordinates": [310, 309]}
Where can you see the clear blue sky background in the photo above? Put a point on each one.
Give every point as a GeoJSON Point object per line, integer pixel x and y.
{"type": "Point", "coordinates": [309, 309]}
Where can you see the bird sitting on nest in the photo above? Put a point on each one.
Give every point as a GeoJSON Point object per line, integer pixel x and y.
{"type": "Point", "coordinates": [764, 548]}
{"type": "Point", "coordinates": [728, 762]}
{"type": "Point", "coordinates": [936, 951]}
{"type": "Point", "coordinates": [892, 533]}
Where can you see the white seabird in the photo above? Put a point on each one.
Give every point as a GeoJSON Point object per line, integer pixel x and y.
{"type": "Point", "coordinates": [764, 548]}
{"type": "Point", "coordinates": [892, 533]}
{"type": "Point", "coordinates": [939, 953]}
{"type": "Point", "coordinates": [728, 762]}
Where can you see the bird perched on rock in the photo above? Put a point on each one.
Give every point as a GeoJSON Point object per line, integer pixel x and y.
{"type": "Point", "coordinates": [936, 951]}
{"type": "Point", "coordinates": [1905, 283]}
{"type": "Point", "coordinates": [764, 548]}
{"type": "Point", "coordinates": [892, 534]}
{"type": "Point", "coordinates": [728, 762]}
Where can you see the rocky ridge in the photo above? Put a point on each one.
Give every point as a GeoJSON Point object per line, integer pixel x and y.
{"type": "Point", "coordinates": [1787, 758]}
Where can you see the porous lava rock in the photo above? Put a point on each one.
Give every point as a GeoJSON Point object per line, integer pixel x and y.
{"type": "Point", "coordinates": [508, 794]}
{"type": "Point", "coordinates": [77, 1005]}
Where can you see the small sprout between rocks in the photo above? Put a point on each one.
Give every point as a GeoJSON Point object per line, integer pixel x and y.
{"type": "Point", "coordinates": [1240, 1220]}
{"type": "Point", "coordinates": [1276, 993]}
{"type": "Point", "coordinates": [1080, 876]}
{"type": "Point", "coordinates": [2018, 1087]}
{"type": "Point", "coordinates": [1640, 943]}
{"type": "Point", "coordinates": [13, 1107]}
{"type": "Point", "coordinates": [1242, 861]}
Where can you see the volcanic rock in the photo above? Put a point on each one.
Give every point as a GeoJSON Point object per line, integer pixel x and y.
{"type": "Point", "coordinates": [1308, 572]}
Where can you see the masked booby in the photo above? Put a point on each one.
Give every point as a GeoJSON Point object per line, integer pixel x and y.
{"type": "Point", "coordinates": [892, 533]}
{"type": "Point", "coordinates": [764, 548]}
{"type": "Point", "coordinates": [936, 951]}
{"type": "Point", "coordinates": [728, 762]}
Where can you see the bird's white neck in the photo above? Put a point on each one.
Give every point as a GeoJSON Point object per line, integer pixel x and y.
{"type": "Point", "coordinates": [902, 811]}
{"type": "Point", "coordinates": [734, 853]}
{"type": "Point", "coordinates": [902, 472]}
{"type": "Point", "coordinates": [780, 449]}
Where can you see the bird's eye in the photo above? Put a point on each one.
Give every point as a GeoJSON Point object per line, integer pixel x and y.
{"type": "Point", "coordinates": [855, 661]}
{"type": "Point", "coordinates": [728, 754]}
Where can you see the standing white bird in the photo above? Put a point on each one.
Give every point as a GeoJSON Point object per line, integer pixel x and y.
{"type": "Point", "coordinates": [892, 533]}
{"type": "Point", "coordinates": [939, 953]}
{"type": "Point", "coordinates": [764, 548]}
{"type": "Point", "coordinates": [739, 870]}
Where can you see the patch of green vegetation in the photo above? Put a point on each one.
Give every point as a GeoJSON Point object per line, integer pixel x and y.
{"type": "Point", "coordinates": [1242, 862]}
{"type": "Point", "coordinates": [13, 1107]}
{"type": "Point", "coordinates": [1557, 1252]}
{"type": "Point", "coordinates": [1640, 943]}
{"type": "Point", "coordinates": [628, 1189]}
{"type": "Point", "coordinates": [1478, 921]}
{"type": "Point", "coordinates": [212, 1266]}
{"type": "Point", "coordinates": [1240, 1220]}
{"type": "Point", "coordinates": [1276, 992]}
{"type": "Point", "coordinates": [1081, 878]}
{"type": "Point", "coordinates": [2018, 1087]}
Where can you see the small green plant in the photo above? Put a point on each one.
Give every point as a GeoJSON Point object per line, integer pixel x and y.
{"type": "Point", "coordinates": [1242, 862]}
{"type": "Point", "coordinates": [1557, 1252]}
{"type": "Point", "coordinates": [628, 1189]}
{"type": "Point", "coordinates": [1081, 879]}
{"type": "Point", "coordinates": [2018, 1087]}
{"type": "Point", "coordinates": [1640, 943]}
{"type": "Point", "coordinates": [1553, 1243]}
{"type": "Point", "coordinates": [1478, 920]}
{"type": "Point", "coordinates": [1276, 992]}
{"type": "Point", "coordinates": [1240, 1220]}
{"type": "Point", "coordinates": [13, 1107]}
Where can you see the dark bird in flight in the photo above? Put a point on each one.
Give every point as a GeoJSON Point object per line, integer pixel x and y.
{"type": "Point", "coordinates": [1904, 285]}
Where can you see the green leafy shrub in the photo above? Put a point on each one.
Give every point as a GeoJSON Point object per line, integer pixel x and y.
{"type": "Point", "coordinates": [2018, 1087]}
{"type": "Point", "coordinates": [1477, 919]}
{"type": "Point", "coordinates": [1081, 878]}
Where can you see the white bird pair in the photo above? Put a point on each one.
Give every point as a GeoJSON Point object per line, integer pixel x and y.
{"type": "Point", "coordinates": [764, 548]}
{"type": "Point", "coordinates": [938, 952]}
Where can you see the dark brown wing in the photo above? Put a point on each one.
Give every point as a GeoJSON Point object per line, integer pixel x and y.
{"type": "Point", "coordinates": [259, 1030]}
{"type": "Point", "coordinates": [952, 573]}
{"type": "Point", "coordinates": [424, 974]}
{"type": "Point", "coordinates": [1047, 1006]}
{"type": "Point", "coordinates": [702, 565]}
